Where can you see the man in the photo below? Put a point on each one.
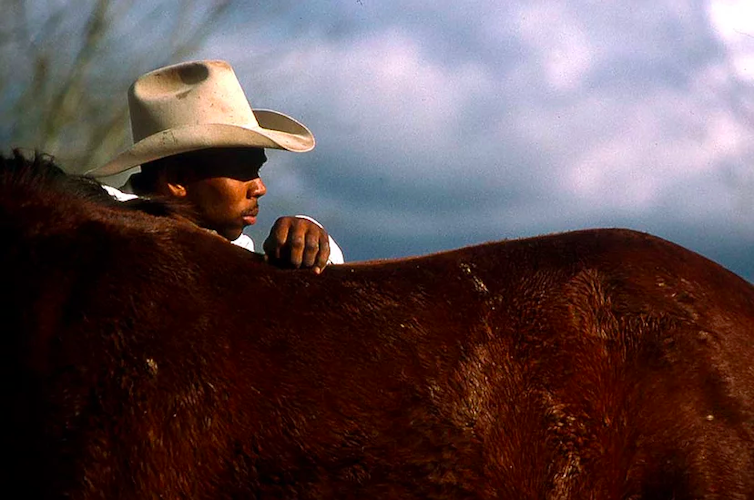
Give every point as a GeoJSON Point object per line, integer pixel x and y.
{"type": "Point", "coordinates": [197, 138]}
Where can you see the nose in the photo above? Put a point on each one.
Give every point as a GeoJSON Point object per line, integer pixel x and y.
{"type": "Point", "coordinates": [256, 188]}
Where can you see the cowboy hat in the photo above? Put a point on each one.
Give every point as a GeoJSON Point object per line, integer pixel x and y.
{"type": "Point", "coordinates": [198, 105]}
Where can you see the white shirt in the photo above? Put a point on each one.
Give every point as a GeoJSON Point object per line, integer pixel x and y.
{"type": "Point", "coordinates": [243, 241]}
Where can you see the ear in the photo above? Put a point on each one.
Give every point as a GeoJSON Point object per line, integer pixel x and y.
{"type": "Point", "coordinates": [176, 189]}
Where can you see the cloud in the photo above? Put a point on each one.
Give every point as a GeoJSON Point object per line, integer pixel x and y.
{"type": "Point", "coordinates": [732, 22]}
{"type": "Point", "coordinates": [441, 125]}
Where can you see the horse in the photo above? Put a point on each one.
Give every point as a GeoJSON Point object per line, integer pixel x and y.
{"type": "Point", "coordinates": [145, 357]}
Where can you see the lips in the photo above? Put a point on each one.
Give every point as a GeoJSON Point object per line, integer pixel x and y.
{"type": "Point", "coordinates": [250, 216]}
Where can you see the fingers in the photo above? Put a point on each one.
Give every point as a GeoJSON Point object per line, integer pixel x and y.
{"type": "Point", "coordinates": [275, 243]}
{"type": "Point", "coordinates": [324, 253]}
{"type": "Point", "coordinates": [295, 242]}
{"type": "Point", "coordinates": [296, 246]}
{"type": "Point", "coordinates": [310, 250]}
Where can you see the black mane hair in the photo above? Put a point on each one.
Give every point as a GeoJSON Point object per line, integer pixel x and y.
{"type": "Point", "coordinates": [40, 170]}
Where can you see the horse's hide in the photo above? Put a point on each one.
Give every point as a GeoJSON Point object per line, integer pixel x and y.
{"type": "Point", "coordinates": [143, 357]}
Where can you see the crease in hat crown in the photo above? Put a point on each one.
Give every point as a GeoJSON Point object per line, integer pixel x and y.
{"type": "Point", "coordinates": [198, 105]}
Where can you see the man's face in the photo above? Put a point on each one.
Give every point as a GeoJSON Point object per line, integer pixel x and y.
{"type": "Point", "coordinates": [224, 186]}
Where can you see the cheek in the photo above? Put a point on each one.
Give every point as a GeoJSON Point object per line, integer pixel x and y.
{"type": "Point", "coordinates": [222, 199]}
{"type": "Point", "coordinates": [234, 194]}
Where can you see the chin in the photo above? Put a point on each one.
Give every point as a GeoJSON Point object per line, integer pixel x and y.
{"type": "Point", "coordinates": [229, 234]}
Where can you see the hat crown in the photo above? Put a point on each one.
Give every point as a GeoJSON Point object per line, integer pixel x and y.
{"type": "Point", "coordinates": [193, 93]}
{"type": "Point", "coordinates": [199, 105]}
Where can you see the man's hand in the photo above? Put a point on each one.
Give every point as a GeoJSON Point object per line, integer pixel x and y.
{"type": "Point", "coordinates": [296, 242]}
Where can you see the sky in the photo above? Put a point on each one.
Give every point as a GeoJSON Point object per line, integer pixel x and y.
{"type": "Point", "coordinates": [446, 124]}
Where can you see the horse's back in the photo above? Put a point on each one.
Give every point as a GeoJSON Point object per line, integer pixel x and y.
{"type": "Point", "coordinates": [143, 357]}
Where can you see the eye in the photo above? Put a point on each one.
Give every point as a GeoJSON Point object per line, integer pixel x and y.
{"type": "Point", "coordinates": [242, 173]}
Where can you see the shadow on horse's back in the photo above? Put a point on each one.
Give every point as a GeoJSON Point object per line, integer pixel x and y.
{"type": "Point", "coordinates": [144, 356]}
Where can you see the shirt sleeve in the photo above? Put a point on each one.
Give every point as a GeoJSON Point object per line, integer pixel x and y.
{"type": "Point", "coordinates": [118, 194]}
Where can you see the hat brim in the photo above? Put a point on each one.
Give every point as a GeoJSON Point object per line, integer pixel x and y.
{"type": "Point", "coordinates": [275, 130]}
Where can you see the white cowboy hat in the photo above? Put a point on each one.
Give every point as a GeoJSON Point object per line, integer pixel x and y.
{"type": "Point", "coordinates": [198, 105]}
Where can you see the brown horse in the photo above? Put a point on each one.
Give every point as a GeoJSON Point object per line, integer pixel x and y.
{"type": "Point", "coordinates": [143, 357]}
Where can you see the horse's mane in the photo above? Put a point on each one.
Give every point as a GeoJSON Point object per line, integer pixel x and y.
{"type": "Point", "coordinates": [40, 174]}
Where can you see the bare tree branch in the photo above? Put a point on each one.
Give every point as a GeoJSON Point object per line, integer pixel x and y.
{"type": "Point", "coordinates": [68, 96]}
